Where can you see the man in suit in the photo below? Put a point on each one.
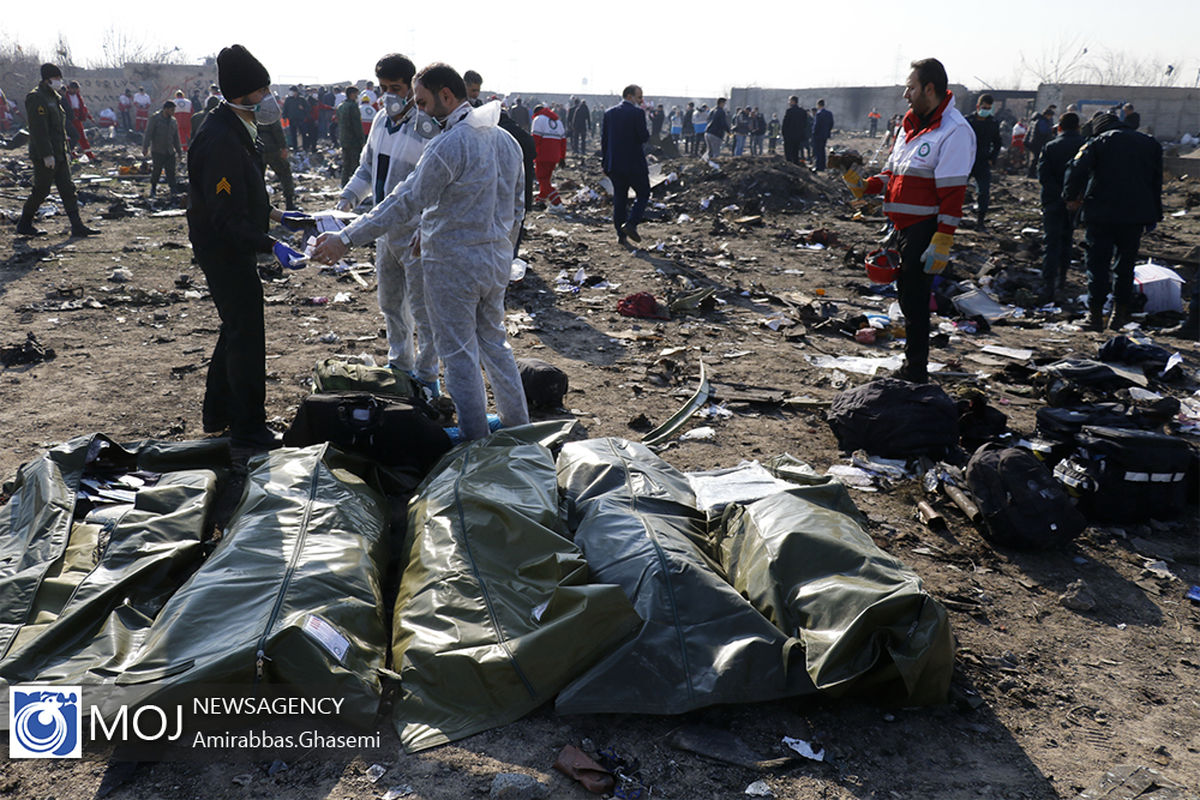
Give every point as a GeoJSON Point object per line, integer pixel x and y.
{"type": "Point", "coordinates": [795, 129]}
{"type": "Point", "coordinates": [624, 161]}
{"type": "Point", "coordinates": [821, 130]}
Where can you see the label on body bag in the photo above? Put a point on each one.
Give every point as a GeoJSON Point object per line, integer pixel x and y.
{"type": "Point", "coordinates": [327, 636]}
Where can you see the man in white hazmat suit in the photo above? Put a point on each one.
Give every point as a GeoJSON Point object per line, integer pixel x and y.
{"type": "Point", "coordinates": [468, 188]}
{"type": "Point", "coordinates": [397, 138]}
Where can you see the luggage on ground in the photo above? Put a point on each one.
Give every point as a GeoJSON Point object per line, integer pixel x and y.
{"type": "Point", "coordinates": [895, 419]}
{"type": "Point", "coordinates": [1127, 475]}
{"type": "Point", "coordinates": [1022, 504]}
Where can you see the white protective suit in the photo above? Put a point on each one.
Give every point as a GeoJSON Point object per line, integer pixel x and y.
{"type": "Point", "coordinates": [469, 190]}
{"type": "Point", "coordinates": [391, 152]}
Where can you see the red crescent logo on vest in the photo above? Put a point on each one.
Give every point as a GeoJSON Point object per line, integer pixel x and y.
{"type": "Point", "coordinates": [223, 186]}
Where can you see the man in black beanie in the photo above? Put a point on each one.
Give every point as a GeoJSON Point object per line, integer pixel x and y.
{"type": "Point", "coordinates": [48, 151]}
{"type": "Point", "coordinates": [228, 218]}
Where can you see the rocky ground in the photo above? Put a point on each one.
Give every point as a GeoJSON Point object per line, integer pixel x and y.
{"type": "Point", "coordinates": [113, 334]}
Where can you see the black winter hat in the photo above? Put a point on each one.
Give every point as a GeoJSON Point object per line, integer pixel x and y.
{"type": "Point", "coordinates": [50, 71]}
{"type": "Point", "coordinates": [240, 73]}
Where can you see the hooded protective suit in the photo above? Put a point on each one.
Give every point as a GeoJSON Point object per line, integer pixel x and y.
{"type": "Point", "coordinates": [391, 154]}
{"type": "Point", "coordinates": [468, 189]}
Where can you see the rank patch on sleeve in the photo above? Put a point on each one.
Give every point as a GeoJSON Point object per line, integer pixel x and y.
{"type": "Point", "coordinates": [223, 186]}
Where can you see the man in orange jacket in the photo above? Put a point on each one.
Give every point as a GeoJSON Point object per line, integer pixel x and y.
{"type": "Point", "coordinates": [924, 183]}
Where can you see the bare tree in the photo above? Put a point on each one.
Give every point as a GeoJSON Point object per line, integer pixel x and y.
{"type": "Point", "coordinates": [119, 49]}
{"type": "Point", "coordinates": [62, 52]}
{"type": "Point", "coordinates": [1120, 68]}
{"type": "Point", "coordinates": [1065, 61]}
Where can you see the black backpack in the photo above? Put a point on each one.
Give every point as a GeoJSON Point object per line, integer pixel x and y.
{"type": "Point", "coordinates": [895, 419]}
{"type": "Point", "coordinates": [1127, 475]}
{"type": "Point", "coordinates": [545, 384]}
{"type": "Point", "coordinates": [1022, 505]}
{"type": "Point", "coordinates": [394, 431]}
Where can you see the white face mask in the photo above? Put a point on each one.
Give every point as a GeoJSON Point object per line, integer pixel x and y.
{"type": "Point", "coordinates": [266, 111]}
{"type": "Point", "coordinates": [56, 84]}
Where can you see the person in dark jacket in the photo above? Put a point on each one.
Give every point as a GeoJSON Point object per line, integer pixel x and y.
{"type": "Point", "coordinates": [795, 129]}
{"type": "Point", "coordinates": [717, 130]}
{"type": "Point", "coordinates": [1057, 222]}
{"type": "Point", "coordinates": [987, 147]}
{"type": "Point", "coordinates": [822, 129]}
{"type": "Point", "coordinates": [295, 111]}
{"type": "Point", "coordinates": [48, 151]}
{"type": "Point", "coordinates": [581, 123]}
{"type": "Point", "coordinates": [198, 119]}
{"type": "Point", "coordinates": [1041, 132]}
{"type": "Point", "coordinates": [624, 161]}
{"type": "Point", "coordinates": [1117, 179]}
{"type": "Point", "coordinates": [228, 216]}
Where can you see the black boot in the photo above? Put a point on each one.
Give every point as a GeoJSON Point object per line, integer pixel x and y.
{"type": "Point", "coordinates": [1120, 317]}
{"type": "Point", "coordinates": [1095, 320]}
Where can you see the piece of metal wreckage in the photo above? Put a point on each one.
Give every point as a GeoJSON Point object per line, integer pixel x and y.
{"type": "Point", "coordinates": [677, 420]}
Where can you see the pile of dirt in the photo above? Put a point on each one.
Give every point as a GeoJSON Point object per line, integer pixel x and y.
{"type": "Point", "coordinates": [770, 182]}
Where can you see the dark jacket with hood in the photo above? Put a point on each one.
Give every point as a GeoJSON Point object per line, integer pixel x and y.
{"type": "Point", "coordinates": [1118, 174]}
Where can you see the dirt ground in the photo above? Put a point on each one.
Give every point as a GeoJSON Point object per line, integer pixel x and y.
{"type": "Point", "coordinates": [1046, 698]}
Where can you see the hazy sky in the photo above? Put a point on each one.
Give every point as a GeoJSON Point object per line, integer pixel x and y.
{"type": "Point", "coordinates": [675, 48]}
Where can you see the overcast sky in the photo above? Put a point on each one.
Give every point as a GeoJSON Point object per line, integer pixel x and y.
{"type": "Point", "coordinates": [671, 48]}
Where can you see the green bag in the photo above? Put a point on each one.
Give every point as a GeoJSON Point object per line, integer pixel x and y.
{"type": "Point", "coordinates": [865, 622]}
{"type": "Point", "coordinates": [495, 613]}
{"type": "Point", "coordinates": [332, 376]}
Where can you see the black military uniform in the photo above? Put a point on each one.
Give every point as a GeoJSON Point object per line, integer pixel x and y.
{"type": "Point", "coordinates": [228, 217]}
{"type": "Point", "coordinates": [48, 140]}
{"type": "Point", "coordinates": [274, 142]}
{"type": "Point", "coordinates": [987, 147]}
{"type": "Point", "coordinates": [1118, 174]}
{"type": "Point", "coordinates": [1057, 221]}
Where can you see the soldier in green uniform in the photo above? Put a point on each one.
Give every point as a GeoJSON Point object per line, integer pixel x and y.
{"type": "Point", "coordinates": [350, 133]}
{"type": "Point", "coordinates": [275, 154]}
{"type": "Point", "coordinates": [161, 142]}
{"type": "Point", "coordinates": [48, 151]}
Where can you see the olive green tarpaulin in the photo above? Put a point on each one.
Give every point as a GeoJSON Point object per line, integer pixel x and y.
{"type": "Point", "coordinates": [495, 613]}
{"type": "Point", "coordinates": [70, 582]}
{"type": "Point", "coordinates": [701, 642]}
{"type": "Point", "coordinates": [291, 595]}
{"type": "Point", "coordinates": [866, 623]}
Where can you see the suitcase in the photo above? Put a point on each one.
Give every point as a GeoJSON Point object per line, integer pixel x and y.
{"type": "Point", "coordinates": [1127, 475]}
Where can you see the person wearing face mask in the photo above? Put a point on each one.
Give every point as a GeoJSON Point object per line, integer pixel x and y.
{"type": "Point", "coordinates": [469, 194]}
{"type": "Point", "coordinates": [924, 183]}
{"type": "Point", "coordinates": [48, 151]}
{"type": "Point", "coordinates": [228, 217]}
{"type": "Point", "coordinates": [295, 111]}
{"type": "Point", "coordinates": [987, 147]}
{"type": "Point", "coordinates": [398, 136]}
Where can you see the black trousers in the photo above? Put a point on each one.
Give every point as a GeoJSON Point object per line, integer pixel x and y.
{"type": "Point", "coordinates": [1103, 274]}
{"type": "Point", "coordinates": [350, 158]}
{"type": "Point", "coordinates": [982, 173]}
{"type": "Point", "coordinates": [43, 177]}
{"type": "Point", "coordinates": [235, 392]}
{"type": "Point", "coordinates": [1057, 224]}
{"type": "Point", "coordinates": [622, 183]}
{"type": "Point", "coordinates": [791, 149]}
{"type": "Point", "coordinates": [818, 149]}
{"type": "Point", "coordinates": [158, 163]}
{"type": "Point", "coordinates": [914, 284]}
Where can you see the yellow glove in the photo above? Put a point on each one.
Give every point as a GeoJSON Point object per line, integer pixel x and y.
{"type": "Point", "coordinates": [937, 255]}
{"type": "Point", "coordinates": [855, 183]}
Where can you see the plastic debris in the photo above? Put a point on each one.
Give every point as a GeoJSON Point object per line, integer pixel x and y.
{"type": "Point", "coordinates": [759, 789]}
{"type": "Point", "coordinates": [704, 433]}
{"type": "Point", "coordinates": [375, 772]}
{"type": "Point", "coordinates": [745, 483]}
{"type": "Point", "coordinates": [804, 748]}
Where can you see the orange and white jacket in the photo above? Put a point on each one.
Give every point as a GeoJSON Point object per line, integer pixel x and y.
{"type": "Point", "coordinates": [926, 174]}
{"type": "Point", "coordinates": [550, 136]}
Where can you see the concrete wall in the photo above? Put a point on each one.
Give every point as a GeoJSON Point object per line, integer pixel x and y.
{"type": "Point", "coordinates": [101, 87]}
{"type": "Point", "coordinates": [1166, 112]}
{"type": "Point", "coordinates": [849, 104]}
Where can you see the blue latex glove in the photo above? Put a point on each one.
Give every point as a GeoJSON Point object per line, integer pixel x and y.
{"type": "Point", "coordinates": [288, 257]}
{"type": "Point", "coordinates": [297, 221]}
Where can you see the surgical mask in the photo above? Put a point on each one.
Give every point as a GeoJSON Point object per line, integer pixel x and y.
{"type": "Point", "coordinates": [56, 84]}
{"type": "Point", "coordinates": [266, 111]}
{"type": "Point", "coordinates": [985, 112]}
{"type": "Point", "coordinates": [393, 104]}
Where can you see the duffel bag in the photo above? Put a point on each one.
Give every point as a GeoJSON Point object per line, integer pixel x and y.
{"type": "Point", "coordinates": [895, 419]}
{"type": "Point", "coordinates": [394, 431]}
{"type": "Point", "coordinates": [333, 375]}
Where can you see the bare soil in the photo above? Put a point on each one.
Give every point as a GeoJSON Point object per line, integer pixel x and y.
{"type": "Point", "coordinates": [1046, 698]}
